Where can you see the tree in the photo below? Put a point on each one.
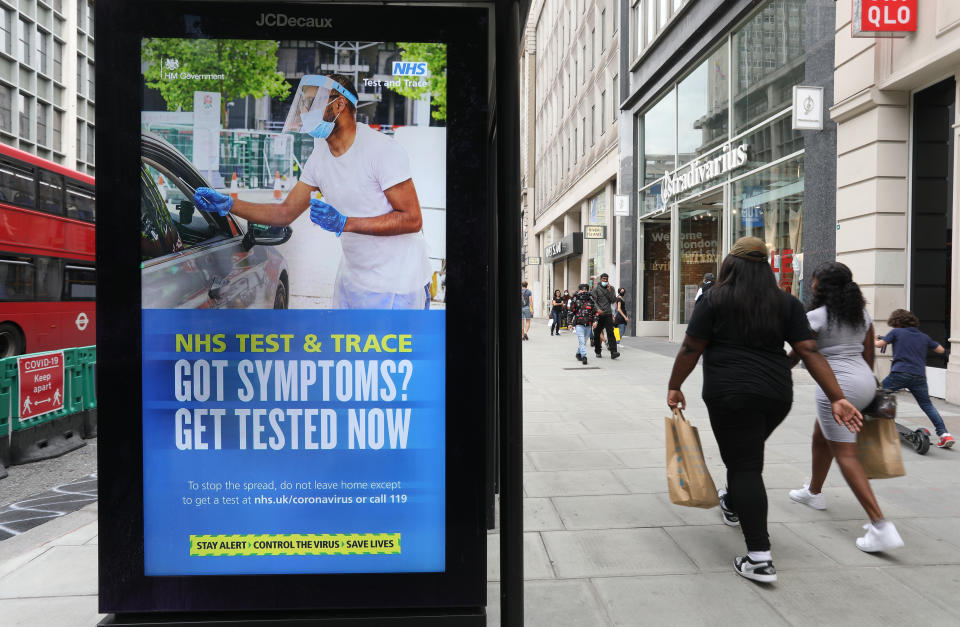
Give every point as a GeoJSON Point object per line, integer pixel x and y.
{"type": "Point", "coordinates": [237, 68]}
{"type": "Point", "coordinates": [436, 57]}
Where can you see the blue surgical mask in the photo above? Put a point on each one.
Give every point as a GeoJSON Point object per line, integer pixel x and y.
{"type": "Point", "coordinates": [320, 128]}
{"type": "Point", "coordinates": [603, 283]}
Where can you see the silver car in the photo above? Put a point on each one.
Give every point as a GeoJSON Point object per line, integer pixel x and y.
{"type": "Point", "coordinates": [197, 260]}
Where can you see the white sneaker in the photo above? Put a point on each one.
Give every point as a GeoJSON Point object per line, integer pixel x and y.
{"type": "Point", "coordinates": [803, 495]}
{"type": "Point", "coordinates": [880, 539]}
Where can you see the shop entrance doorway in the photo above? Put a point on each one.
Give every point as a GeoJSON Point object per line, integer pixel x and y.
{"type": "Point", "coordinates": [932, 220]}
{"type": "Point", "coordinates": [654, 306]}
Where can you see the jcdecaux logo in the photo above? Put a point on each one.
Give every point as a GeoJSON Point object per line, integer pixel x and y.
{"type": "Point", "coordinates": [409, 68]}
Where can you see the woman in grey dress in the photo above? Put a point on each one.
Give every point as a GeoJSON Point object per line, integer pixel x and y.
{"type": "Point", "coordinates": [844, 332]}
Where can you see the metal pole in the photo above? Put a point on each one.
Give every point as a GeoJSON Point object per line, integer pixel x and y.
{"type": "Point", "coordinates": [511, 400]}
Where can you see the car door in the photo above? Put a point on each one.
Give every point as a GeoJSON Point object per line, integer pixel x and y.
{"type": "Point", "coordinates": [236, 276]}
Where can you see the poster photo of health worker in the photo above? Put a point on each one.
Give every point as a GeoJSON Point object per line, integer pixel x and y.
{"type": "Point", "coordinates": [353, 161]}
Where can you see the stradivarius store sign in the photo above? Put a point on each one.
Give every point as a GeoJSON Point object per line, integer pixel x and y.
{"type": "Point", "coordinates": [697, 172]}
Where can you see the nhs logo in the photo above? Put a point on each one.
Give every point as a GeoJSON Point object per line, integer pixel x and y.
{"type": "Point", "coordinates": [409, 68]}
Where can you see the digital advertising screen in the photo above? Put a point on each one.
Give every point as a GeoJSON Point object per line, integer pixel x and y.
{"type": "Point", "coordinates": [293, 270]}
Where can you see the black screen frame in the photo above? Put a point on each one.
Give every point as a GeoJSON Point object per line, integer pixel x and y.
{"type": "Point", "coordinates": [124, 588]}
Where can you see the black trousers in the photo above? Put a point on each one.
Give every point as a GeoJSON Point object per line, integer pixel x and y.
{"type": "Point", "coordinates": [604, 323]}
{"type": "Point", "coordinates": [557, 315]}
{"type": "Point", "coordinates": [741, 424]}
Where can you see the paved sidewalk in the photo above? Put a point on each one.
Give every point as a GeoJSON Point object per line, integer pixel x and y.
{"type": "Point", "coordinates": [603, 544]}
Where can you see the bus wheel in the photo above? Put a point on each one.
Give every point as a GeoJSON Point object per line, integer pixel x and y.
{"type": "Point", "coordinates": [11, 340]}
{"type": "Point", "coordinates": [280, 300]}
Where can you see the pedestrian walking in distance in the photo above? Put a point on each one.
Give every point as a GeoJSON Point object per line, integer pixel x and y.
{"type": "Point", "coordinates": [621, 319]}
{"type": "Point", "coordinates": [740, 328]}
{"type": "Point", "coordinates": [910, 346]}
{"type": "Point", "coordinates": [526, 309]}
{"type": "Point", "coordinates": [845, 337]}
{"type": "Point", "coordinates": [606, 298]}
{"type": "Point", "coordinates": [705, 286]}
{"type": "Point", "coordinates": [583, 313]}
{"type": "Point", "coordinates": [556, 312]}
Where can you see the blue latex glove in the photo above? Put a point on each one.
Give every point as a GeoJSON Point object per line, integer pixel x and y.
{"type": "Point", "coordinates": [326, 217]}
{"type": "Point", "coordinates": [210, 200]}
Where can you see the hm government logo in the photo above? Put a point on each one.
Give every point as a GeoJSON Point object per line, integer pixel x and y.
{"type": "Point", "coordinates": [284, 20]}
{"type": "Point", "coordinates": [172, 65]}
{"type": "Point", "coordinates": [168, 72]}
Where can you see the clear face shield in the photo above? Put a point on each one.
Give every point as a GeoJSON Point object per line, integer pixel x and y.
{"type": "Point", "coordinates": [310, 104]}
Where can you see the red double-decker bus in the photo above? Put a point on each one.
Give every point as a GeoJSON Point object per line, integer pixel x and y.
{"type": "Point", "coordinates": [47, 273]}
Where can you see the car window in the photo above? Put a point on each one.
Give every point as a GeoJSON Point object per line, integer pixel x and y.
{"type": "Point", "coordinates": [158, 235]}
{"type": "Point", "coordinates": [194, 226]}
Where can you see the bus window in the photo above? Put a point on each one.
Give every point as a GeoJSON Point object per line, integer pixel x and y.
{"type": "Point", "coordinates": [17, 184]}
{"type": "Point", "coordinates": [80, 203]}
{"type": "Point", "coordinates": [47, 273]}
{"type": "Point", "coordinates": [16, 277]}
{"type": "Point", "coordinates": [80, 283]}
{"type": "Point", "coordinates": [51, 192]}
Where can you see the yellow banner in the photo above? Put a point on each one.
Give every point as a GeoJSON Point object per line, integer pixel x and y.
{"type": "Point", "coordinates": [296, 544]}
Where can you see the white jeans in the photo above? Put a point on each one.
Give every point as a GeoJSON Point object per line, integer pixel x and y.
{"type": "Point", "coordinates": [347, 296]}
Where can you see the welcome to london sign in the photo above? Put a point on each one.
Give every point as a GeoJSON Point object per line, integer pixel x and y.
{"type": "Point", "coordinates": [679, 181]}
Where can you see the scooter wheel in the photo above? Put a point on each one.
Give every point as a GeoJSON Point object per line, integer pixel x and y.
{"type": "Point", "coordinates": [922, 441]}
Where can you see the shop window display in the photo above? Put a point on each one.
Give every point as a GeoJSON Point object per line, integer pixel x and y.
{"type": "Point", "coordinates": [656, 270]}
{"type": "Point", "coordinates": [769, 205]}
{"type": "Point", "coordinates": [699, 248]}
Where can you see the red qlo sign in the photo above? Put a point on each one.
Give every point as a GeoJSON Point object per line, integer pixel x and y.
{"type": "Point", "coordinates": [41, 384]}
{"type": "Point", "coordinates": [884, 18]}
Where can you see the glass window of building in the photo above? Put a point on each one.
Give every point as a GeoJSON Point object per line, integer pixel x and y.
{"type": "Point", "coordinates": [58, 61]}
{"type": "Point", "coordinates": [43, 114]}
{"type": "Point", "coordinates": [43, 47]}
{"type": "Point", "coordinates": [651, 19]}
{"type": "Point", "coordinates": [593, 48]}
{"type": "Point", "coordinates": [603, 111]}
{"type": "Point", "coordinates": [596, 248]}
{"type": "Point", "coordinates": [593, 124]}
{"type": "Point", "coordinates": [677, 4]}
{"type": "Point", "coordinates": [664, 12]}
{"type": "Point", "coordinates": [90, 15]}
{"type": "Point", "coordinates": [659, 138]}
{"type": "Point", "coordinates": [81, 66]}
{"type": "Point", "coordinates": [58, 131]}
{"type": "Point", "coordinates": [58, 6]}
{"type": "Point", "coordinates": [769, 205]}
{"type": "Point", "coordinates": [80, 5]}
{"type": "Point", "coordinates": [24, 107]}
{"type": "Point", "coordinates": [79, 141]}
{"type": "Point", "coordinates": [6, 26]}
{"type": "Point", "coordinates": [656, 269]}
{"type": "Point", "coordinates": [91, 80]}
{"type": "Point", "coordinates": [25, 47]}
{"type": "Point", "coordinates": [91, 155]}
{"type": "Point", "coordinates": [6, 108]}
{"type": "Point", "coordinates": [703, 107]}
{"type": "Point", "coordinates": [583, 147]}
{"type": "Point", "coordinates": [603, 29]}
{"type": "Point", "coordinates": [768, 59]}
{"type": "Point", "coordinates": [699, 247]}
{"type": "Point", "coordinates": [638, 27]}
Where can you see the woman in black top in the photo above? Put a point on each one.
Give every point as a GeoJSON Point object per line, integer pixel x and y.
{"type": "Point", "coordinates": [740, 327]}
{"type": "Point", "coordinates": [556, 312]}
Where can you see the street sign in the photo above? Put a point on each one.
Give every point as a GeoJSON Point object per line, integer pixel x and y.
{"type": "Point", "coordinates": [41, 384]}
{"type": "Point", "coordinates": [594, 231]}
{"type": "Point", "coordinates": [807, 108]}
{"type": "Point", "coordinates": [621, 205]}
{"type": "Point", "coordinates": [884, 18]}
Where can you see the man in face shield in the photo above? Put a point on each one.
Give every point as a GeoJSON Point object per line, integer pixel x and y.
{"type": "Point", "coordinates": [368, 200]}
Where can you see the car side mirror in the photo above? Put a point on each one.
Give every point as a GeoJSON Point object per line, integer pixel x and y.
{"type": "Point", "coordinates": [261, 235]}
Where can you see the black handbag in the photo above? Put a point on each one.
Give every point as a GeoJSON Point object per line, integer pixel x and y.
{"type": "Point", "coordinates": [883, 405]}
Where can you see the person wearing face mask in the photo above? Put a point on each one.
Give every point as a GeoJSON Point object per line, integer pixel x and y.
{"type": "Point", "coordinates": [606, 299]}
{"type": "Point", "coordinates": [368, 199]}
{"type": "Point", "coordinates": [621, 319]}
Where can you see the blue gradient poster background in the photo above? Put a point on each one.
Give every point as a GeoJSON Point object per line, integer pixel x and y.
{"type": "Point", "coordinates": [229, 452]}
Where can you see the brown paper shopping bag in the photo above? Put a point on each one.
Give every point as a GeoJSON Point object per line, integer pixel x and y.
{"type": "Point", "coordinates": [878, 446]}
{"type": "Point", "coordinates": [689, 480]}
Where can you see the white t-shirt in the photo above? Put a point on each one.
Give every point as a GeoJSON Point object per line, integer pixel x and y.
{"type": "Point", "coordinates": [353, 183]}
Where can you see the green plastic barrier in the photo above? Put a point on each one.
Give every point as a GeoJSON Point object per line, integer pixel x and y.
{"type": "Point", "coordinates": [79, 389]}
